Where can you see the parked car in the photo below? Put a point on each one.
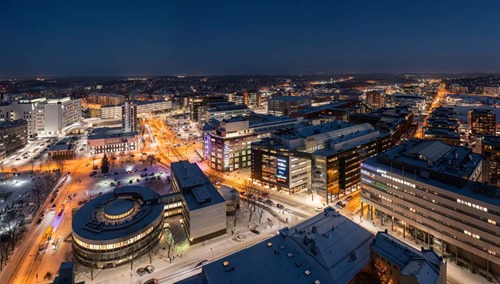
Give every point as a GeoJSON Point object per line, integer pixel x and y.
{"type": "Point", "coordinates": [239, 238]}
{"type": "Point", "coordinates": [150, 269]}
{"type": "Point", "coordinates": [93, 173]}
{"type": "Point", "coordinates": [348, 198]}
{"type": "Point", "coordinates": [340, 204]}
{"type": "Point", "coordinates": [141, 271]}
{"type": "Point", "coordinates": [280, 206]}
{"type": "Point", "coordinates": [39, 221]}
{"type": "Point", "coordinates": [269, 202]}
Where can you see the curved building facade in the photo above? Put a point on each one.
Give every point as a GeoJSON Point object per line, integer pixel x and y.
{"type": "Point", "coordinates": [116, 227]}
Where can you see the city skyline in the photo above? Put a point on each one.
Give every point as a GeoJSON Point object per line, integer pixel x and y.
{"type": "Point", "coordinates": [217, 38]}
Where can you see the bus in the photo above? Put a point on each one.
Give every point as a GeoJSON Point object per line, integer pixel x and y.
{"type": "Point", "coordinates": [45, 239]}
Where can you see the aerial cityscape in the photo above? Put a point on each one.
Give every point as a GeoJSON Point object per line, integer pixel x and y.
{"type": "Point", "coordinates": [213, 143]}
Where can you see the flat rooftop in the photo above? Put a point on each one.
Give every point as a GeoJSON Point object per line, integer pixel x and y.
{"type": "Point", "coordinates": [110, 132]}
{"type": "Point", "coordinates": [197, 190]}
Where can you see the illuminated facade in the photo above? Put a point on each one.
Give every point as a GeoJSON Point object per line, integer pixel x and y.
{"type": "Point", "coordinates": [433, 193]}
{"type": "Point", "coordinates": [116, 227]}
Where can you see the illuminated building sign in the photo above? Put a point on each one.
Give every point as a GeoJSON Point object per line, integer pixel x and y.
{"type": "Point", "coordinates": [282, 169]}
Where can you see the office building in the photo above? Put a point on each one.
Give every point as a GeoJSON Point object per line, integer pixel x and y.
{"type": "Point", "coordinates": [13, 136]}
{"type": "Point", "coordinates": [286, 105]}
{"type": "Point", "coordinates": [327, 248]}
{"type": "Point", "coordinates": [482, 122]}
{"type": "Point", "coordinates": [325, 157]}
{"type": "Point", "coordinates": [433, 192]}
{"type": "Point", "coordinates": [220, 112]}
{"type": "Point", "coordinates": [129, 117]}
{"type": "Point", "coordinates": [227, 142]}
{"type": "Point", "coordinates": [490, 149]}
{"type": "Point", "coordinates": [54, 115]}
{"type": "Point", "coordinates": [397, 262]}
{"type": "Point", "coordinates": [116, 227]}
{"type": "Point", "coordinates": [204, 100]}
{"type": "Point", "coordinates": [22, 109]}
{"type": "Point", "coordinates": [203, 208]}
{"type": "Point", "coordinates": [112, 140]}
{"type": "Point", "coordinates": [375, 99]}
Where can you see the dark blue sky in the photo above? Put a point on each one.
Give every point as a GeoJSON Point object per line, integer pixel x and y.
{"type": "Point", "coordinates": [76, 37]}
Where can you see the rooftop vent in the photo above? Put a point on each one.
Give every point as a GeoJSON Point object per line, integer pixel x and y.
{"type": "Point", "coordinates": [307, 272]}
{"type": "Point", "coordinates": [289, 255]}
{"type": "Point", "coordinates": [317, 281]}
{"type": "Point", "coordinates": [225, 263]}
{"type": "Point", "coordinates": [269, 244]}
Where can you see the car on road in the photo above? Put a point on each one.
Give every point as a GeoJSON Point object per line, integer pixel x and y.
{"type": "Point", "coordinates": [137, 180]}
{"type": "Point", "coordinates": [53, 207]}
{"type": "Point", "coordinates": [348, 198]}
{"type": "Point", "coordinates": [112, 184]}
{"type": "Point", "coordinates": [93, 173]}
{"type": "Point", "coordinates": [239, 238]}
{"type": "Point", "coordinates": [141, 271]}
{"type": "Point", "coordinates": [340, 204]}
{"type": "Point", "coordinates": [150, 269]}
{"type": "Point", "coordinates": [39, 221]}
{"type": "Point", "coordinates": [201, 263]}
{"type": "Point", "coordinates": [130, 181]}
{"type": "Point", "coordinates": [255, 231]}
{"type": "Point", "coordinates": [61, 212]}
{"type": "Point", "coordinates": [269, 202]}
{"type": "Point", "coordinates": [280, 206]}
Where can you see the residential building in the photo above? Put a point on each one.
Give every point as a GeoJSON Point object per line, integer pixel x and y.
{"type": "Point", "coordinates": [105, 99]}
{"type": "Point", "coordinates": [13, 136]}
{"type": "Point", "coordinates": [112, 140]}
{"type": "Point", "coordinates": [443, 125]}
{"type": "Point", "coordinates": [286, 105]}
{"type": "Point", "coordinates": [327, 248]}
{"type": "Point", "coordinates": [143, 107]}
{"type": "Point", "coordinates": [398, 262]}
{"type": "Point", "coordinates": [415, 103]}
{"type": "Point", "coordinates": [433, 192]}
{"type": "Point", "coordinates": [203, 208]}
{"type": "Point", "coordinates": [482, 122]}
{"type": "Point", "coordinates": [129, 117]}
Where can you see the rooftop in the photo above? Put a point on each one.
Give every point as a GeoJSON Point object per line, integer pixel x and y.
{"type": "Point", "coordinates": [92, 220]}
{"type": "Point", "coordinates": [424, 265]}
{"type": "Point", "coordinates": [110, 132]}
{"type": "Point", "coordinates": [327, 248]}
{"type": "Point", "coordinates": [12, 123]}
{"type": "Point", "coordinates": [290, 98]}
{"type": "Point", "coordinates": [195, 187]}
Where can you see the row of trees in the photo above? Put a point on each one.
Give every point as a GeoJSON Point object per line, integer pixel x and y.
{"type": "Point", "coordinates": [108, 163]}
{"type": "Point", "coordinates": [13, 228]}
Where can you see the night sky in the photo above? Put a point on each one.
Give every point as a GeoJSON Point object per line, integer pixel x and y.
{"type": "Point", "coordinates": [84, 37]}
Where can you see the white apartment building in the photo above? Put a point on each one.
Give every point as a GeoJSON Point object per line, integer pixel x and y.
{"type": "Point", "coordinates": [45, 117]}
{"type": "Point", "coordinates": [54, 115]}
{"type": "Point", "coordinates": [433, 191]}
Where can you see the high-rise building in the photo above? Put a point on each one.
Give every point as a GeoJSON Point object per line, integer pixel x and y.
{"type": "Point", "coordinates": [433, 193]}
{"type": "Point", "coordinates": [375, 99]}
{"type": "Point", "coordinates": [482, 121]}
{"type": "Point", "coordinates": [129, 117]}
{"type": "Point", "coordinates": [54, 115]}
{"type": "Point", "coordinates": [490, 149]}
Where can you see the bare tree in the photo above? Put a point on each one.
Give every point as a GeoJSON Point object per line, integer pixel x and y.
{"type": "Point", "coordinates": [215, 177]}
{"type": "Point", "coordinates": [169, 243]}
{"type": "Point", "coordinates": [151, 160]}
{"type": "Point", "coordinates": [14, 227]}
{"type": "Point", "coordinates": [112, 161]}
{"type": "Point", "coordinates": [251, 193]}
{"type": "Point", "coordinates": [151, 251]}
{"type": "Point", "coordinates": [122, 160]}
{"type": "Point", "coordinates": [4, 250]}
